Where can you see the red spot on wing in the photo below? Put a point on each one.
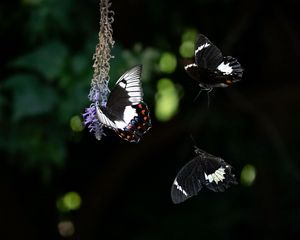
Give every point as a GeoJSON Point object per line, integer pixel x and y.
{"type": "Point", "coordinates": [228, 82]}
{"type": "Point", "coordinates": [137, 126]}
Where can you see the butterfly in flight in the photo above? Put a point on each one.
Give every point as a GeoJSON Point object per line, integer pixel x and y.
{"type": "Point", "coordinates": [210, 68]}
{"type": "Point", "coordinates": [205, 169]}
{"type": "Point", "coordinates": [125, 111]}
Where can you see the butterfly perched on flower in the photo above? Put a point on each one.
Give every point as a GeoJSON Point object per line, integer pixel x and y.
{"type": "Point", "coordinates": [125, 111]}
{"type": "Point", "coordinates": [205, 169]}
{"type": "Point", "coordinates": [210, 68]}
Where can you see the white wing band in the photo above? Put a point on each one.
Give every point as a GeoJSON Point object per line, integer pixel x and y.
{"type": "Point", "coordinates": [104, 120]}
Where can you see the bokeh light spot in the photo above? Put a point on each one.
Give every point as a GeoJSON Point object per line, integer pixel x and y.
{"type": "Point", "coordinates": [69, 201]}
{"type": "Point", "coordinates": [186, 49]}
{"type": "Point", "coordinates": [72, 200]}
{"type": "Point", "coordinates": [166, 100]}
{"type": "Point", "coordinates": [76, 124]}
{"type": "Point", "coordinates": [66, 228]}
{"type": "Point", "coordinates": [189, 35]}
{"type": "Point", "coordinates": [248, 175]}
{"type": "Point", "coordinates": [167, 63]}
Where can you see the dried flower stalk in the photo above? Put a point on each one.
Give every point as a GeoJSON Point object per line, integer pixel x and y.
{"type": "Point", "coordinates": [99, 83]}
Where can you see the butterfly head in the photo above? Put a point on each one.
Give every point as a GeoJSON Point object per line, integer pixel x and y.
{"type": "Point", "coordinates": [199, 151]}
{"type": "Point", "coordinates": [205, 87]}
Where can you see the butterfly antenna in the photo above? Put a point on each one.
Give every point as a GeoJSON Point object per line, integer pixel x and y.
{"type": "Point", "coordinates": [193, 140]}
{"type": "Point", "coordinates": [196, 149]}
{"type": "Point", "coordinates": [208, 97]}
{"type": "Point", "coordinates": [201, 89]}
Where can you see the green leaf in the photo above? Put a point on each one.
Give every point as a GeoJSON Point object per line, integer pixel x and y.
{"type": "Point", "coordinates": [48, 60]}
{"type": "Point", "coordinates": [30, 97]}
{"type": "Point", "coordinates": [74, 101]}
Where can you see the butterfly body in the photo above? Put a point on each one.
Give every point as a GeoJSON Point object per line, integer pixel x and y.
{"type": "Point", "coordinates": [210, 68]}
{"type": "Point", "coordinates": [205, 169]}
{"type": "Point", "coordinates": [125, 112]}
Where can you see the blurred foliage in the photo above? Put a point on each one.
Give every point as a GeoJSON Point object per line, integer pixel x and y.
{"type": "Point", "coordinates": [68, 202]}
{"type": "Point", "coordinates": [248, 175]}
{"type": "Point", "coordinates": [167, 63]}
{"type": "Point", "coordinates": [45, 87]}
{"type": "Point", "coordinates": [166, 99]}
{"type": "Point", "coordinates": [187, 46]}
{"type": "Point", "coordinates": [76, 124]}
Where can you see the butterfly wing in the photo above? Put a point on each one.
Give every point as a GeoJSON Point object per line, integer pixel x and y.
{"type": "Point", "coordinates": [187, 182]}
{"type": "Point", "coordinates": [102, 117]}
{"type": "Point", "coordinates": [231, 67]}
{"type": "Point", "coordinates": [210, 68]}
{"type": "Point", "coordinates": [207, 55]}
{"type": "Point", "coordinates": [217, 173]}
{"type": "Point", "coordinates": [205, 169]}
{"type": "Point", "coordinates": [207, 58]}
{"type": "Point", "coordinates": [138, 126]}
{"type": "Point", "coordinates": [125, 111]}
{"type": "Point", "coordinates": [192, 69]}
{"type": "Point", "coordinates": [127, 91]}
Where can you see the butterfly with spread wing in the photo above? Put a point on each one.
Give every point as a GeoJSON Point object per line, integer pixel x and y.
{"type": "Point", "coordinates": [125, 111]}
{"type": "Point", "coordinates": [210, 68]}
{"type": "Point", "coordinates": [205, 169]}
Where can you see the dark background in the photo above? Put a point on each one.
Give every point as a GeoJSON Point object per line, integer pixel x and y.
{"type": "Point", "coordinates": [46, 67]}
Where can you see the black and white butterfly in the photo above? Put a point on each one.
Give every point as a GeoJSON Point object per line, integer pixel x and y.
{"type": "Point", "coordinates": [210, 68]}
{"type": "Point", "coordinates": [205, 169]}
{"type": "Point", "coordinates": [125, 111]}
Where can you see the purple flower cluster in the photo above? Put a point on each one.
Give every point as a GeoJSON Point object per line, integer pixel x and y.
{"type": "Point", "coordinates": [92, 122]}
{"type": "Point", "coordinates": [90, 118]}
{"type": "Point", "coordinates": [100, 95]}
{"type": "Point", "coordinates": [97, 97]}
